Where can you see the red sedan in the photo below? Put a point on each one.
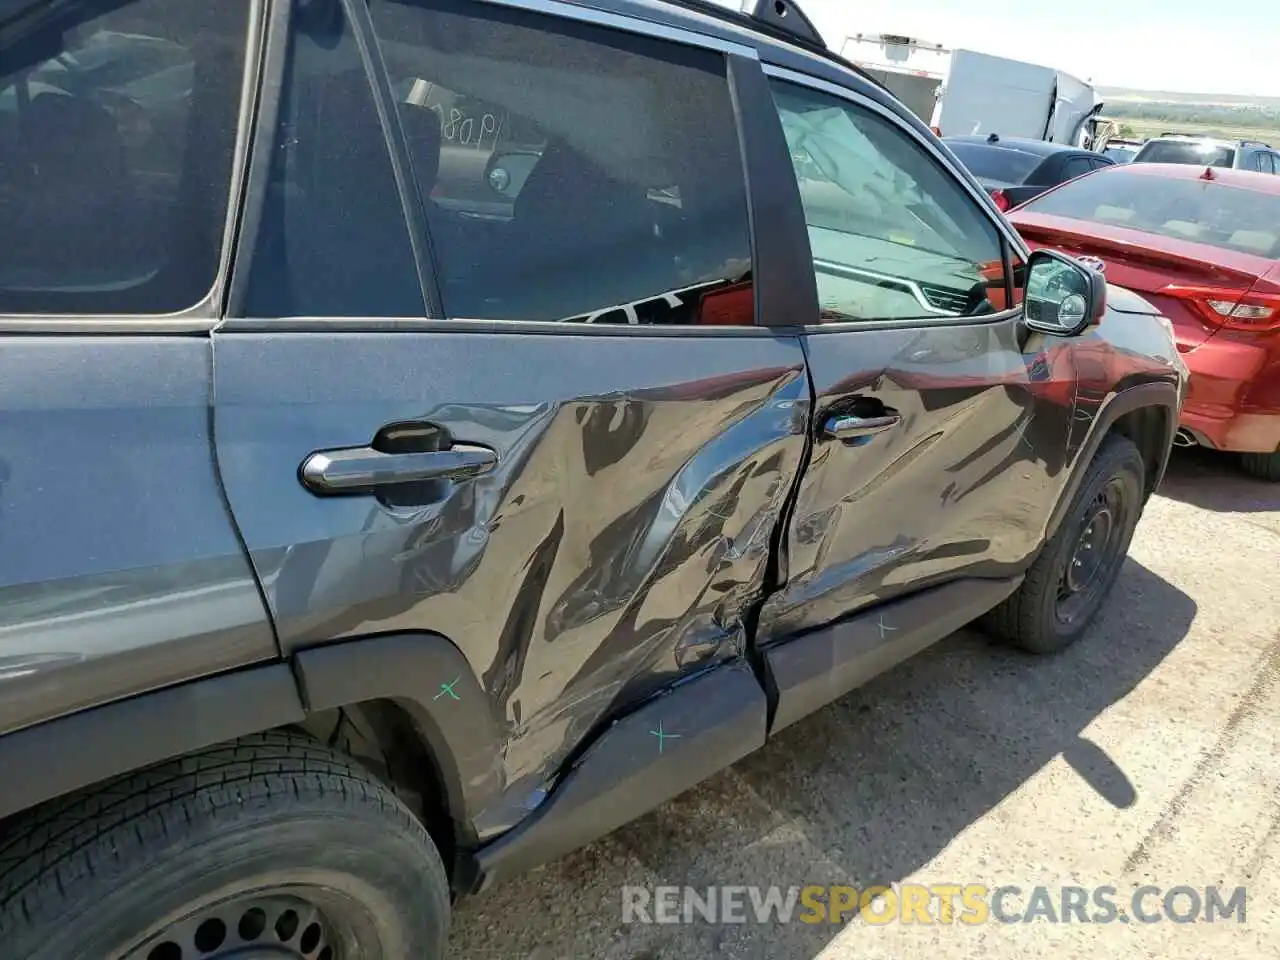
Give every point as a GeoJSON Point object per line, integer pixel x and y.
{"type": "Point", "coordinates": [1203, 245]}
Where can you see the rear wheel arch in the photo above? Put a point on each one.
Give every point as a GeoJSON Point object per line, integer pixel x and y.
{"type": "Point", "coordinates": [416, 697]}
{"type": "Point", "coordinates": [370, 698]}
{"type": "Point", "coordinates": [382, 736]}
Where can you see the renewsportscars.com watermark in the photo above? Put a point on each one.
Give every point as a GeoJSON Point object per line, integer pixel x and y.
{"type": "Point", "coordinates": [936, 903]}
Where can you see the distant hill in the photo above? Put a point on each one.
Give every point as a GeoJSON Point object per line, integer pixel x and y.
{"type": "Point", "coordinates": [1204, 99]}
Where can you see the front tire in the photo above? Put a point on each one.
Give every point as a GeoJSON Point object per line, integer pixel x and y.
{"type": "Point", "coordinates": [1066, 586]}
{"type": "Point", "coordinates": [1264, 466]}
{"type": "Point", "coordinates": [272, 845]}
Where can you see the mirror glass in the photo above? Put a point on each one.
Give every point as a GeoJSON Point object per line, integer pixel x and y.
{"type": "Point", "coordinates": [1058, 294]}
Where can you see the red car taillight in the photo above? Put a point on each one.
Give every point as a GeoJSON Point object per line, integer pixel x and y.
{"type": "Point", "coordinates": [1001, 199]}
{"type": "Point", "coordinates": [1226, 307]}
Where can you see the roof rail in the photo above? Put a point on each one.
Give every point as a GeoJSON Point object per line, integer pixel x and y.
{"type": "Point", "coordinates": [1257, 143]}
{"type": "Point", "coordinates": [787, 16]}
{"type": "Point", "coordinates": [780, 19]}
{"type": "Point", "coordinates": [798, 28]}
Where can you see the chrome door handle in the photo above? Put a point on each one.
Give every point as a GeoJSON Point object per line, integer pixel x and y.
{"type": "Point", "coordinates": [364, 469]}
{"type": "Point", "coordinates": [853, 428]}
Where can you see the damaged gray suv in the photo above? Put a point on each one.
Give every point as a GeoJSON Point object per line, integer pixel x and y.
{"type": "Point", "coordinates": [436, 432]}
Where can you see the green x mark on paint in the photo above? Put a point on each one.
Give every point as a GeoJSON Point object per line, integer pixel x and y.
{"type": "Point", "coordinates": [447, 688]}
{"type": "Point", "coordinates": [662, 736]}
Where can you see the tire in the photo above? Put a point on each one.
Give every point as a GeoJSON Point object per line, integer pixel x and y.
{"type": "Point", "coordinates": [273, 840]}
{"type": "Point", "coordinates": [1264, 466]}
{"type": "Point", "coordinates": [1033, 618]}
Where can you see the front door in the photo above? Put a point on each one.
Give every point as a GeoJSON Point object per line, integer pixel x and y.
{"type": "Point", "coordinates": [574, 470]}
{"type": "Point", "coordinates": [929, 458]}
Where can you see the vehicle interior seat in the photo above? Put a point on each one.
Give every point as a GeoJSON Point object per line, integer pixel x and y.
{"type": "Point", "coordinates": [1185, 228]}
{"type": "Point", "coordinates": [580, 241]}
{"type": "Point", "coordinates": [1112, 214]}
{"type": "Point", "coordinates": [67, 217]}
{"type": "Point", "coordinates": [1255, 241]}
{"type": "Point", "coordinates": [456, 244]}
{"type": "Point", "coordinates": [422, 133]}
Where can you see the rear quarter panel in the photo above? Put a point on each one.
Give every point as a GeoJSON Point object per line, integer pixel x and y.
{"type": "Point", "coordinates": [120, 570]}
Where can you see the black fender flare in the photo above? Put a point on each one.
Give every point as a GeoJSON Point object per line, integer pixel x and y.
{"type": "Point", "coordinates": [462, 736]}
{"type": "Point", "coordinates": [457, 726]}
{"type": "Point", "coordinates": [1158, 393]}
{"type": "Point", "coordinates": [57, 757]}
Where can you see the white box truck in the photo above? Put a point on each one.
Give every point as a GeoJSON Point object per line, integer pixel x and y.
{"type": "Point", "coordinates": [964, 92]}
{"type": "Point", "coordinates": [913, 70]}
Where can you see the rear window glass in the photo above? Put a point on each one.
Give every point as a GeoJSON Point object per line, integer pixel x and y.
{"type": "Point", "coordinates": [1198, 210]}
{"type": "Point", "coordinates": [1192, 151]}
{"type": "Point", "coordinates": [996, 163]}
{"type": "Point", "coordinates": [1120, 154]}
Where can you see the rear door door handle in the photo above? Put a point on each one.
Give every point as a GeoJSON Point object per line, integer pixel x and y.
{"type": "Point", "coordinates": [365, 470]}
{"type": "Point", "coordinates": [839, 427]}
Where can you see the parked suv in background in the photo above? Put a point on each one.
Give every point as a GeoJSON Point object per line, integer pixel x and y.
{"type": "Point", "coordinates": [1210, 152]}
{"type": "Point", "coordinates": [369, 537]}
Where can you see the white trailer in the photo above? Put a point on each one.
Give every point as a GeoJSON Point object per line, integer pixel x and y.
{"type": "Point", "coordinates": [913, 70]}
{"type": "Point", "coordinates": [959, 92]}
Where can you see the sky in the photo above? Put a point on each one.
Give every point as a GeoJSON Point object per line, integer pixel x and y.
{"type": "Point", "coordinates": [1189, 46]}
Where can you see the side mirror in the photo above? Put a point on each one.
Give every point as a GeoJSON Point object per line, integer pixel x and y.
{"type": "Point", "coordinates": [506, 172]}
{"type": "Point", "coordinates": [1063, 295]}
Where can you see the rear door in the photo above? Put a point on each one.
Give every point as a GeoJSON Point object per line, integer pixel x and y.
{"type": "Point", "coordinates": [933, 459]}
{"type": "Point", "coordinates": [528, 410]}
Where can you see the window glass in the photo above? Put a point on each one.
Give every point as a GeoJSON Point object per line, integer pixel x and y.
{"type": "Point", "coordinates": [333, 240]}
{"type": "Point", "coordinates": [117, 132]}
{"type": "Point", "coordinates": [991, 162]}
{"type": "Point", "coordinates": [1121, 154]}
{"type": "Point", "coordinates": [893, 234]}
{"type": "Point", "coordinates": [570, 172]}
{"type": "Point", "coordinates": [1203, 211]}
{"type": "Point", "coordinates": [1199, 152]}
{"type": "Point", "coordinates": [1076, 167]}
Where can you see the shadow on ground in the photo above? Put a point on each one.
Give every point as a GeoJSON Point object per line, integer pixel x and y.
{"type": "Point", "coordinates": [1215, 481]}
{"type": "Point", "coordinates": [864, 792]}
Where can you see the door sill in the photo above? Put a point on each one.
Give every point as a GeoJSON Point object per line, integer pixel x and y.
{"type": "Point", "coordinates": [663, 748]}
{"type": "Point", "coordinates": [699, 727]}
{"type": "Point", "coordinates": [811, 670]}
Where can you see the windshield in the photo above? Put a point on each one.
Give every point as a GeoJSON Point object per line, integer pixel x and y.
{"type": "Point", "coordinates": [995, 163]}
{"type": "Point", "coordinates": [1201, 152]}
{"type": "Point", "coordinates": [1120, 154]}
{"type": "Point", "coordinates": [1199, 210]}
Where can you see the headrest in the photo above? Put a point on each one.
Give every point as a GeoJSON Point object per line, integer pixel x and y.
{"type": "Point", "coordinates": [58, 129]}
{"type": "Point", "coordinates": [422, 130]}
{"type": "Point", "coordinates": [564, 183]}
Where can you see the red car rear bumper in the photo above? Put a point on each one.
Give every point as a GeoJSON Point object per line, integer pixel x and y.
{"type": "Point", "coordinates": [1233, 401]}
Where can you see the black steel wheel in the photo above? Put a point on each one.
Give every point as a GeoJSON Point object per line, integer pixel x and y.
{"type": "Point", "coordinates": [297, 924]}
{"type": "Point", "coordinates": [1071, 578]}
{"type": "Point", "coordinates": [1095, 555]}
{"type": "Point", "coordinates": [273, 847]}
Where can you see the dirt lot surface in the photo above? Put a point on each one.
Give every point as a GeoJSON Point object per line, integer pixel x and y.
{"type": "Point", "coordinates": [1147, 754]}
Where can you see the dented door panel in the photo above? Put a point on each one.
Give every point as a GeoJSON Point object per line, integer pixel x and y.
{"type": "Point", "coordinates": [617, 546]}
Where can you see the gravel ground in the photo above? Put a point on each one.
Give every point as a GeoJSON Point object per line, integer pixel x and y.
{"type": "Point", "coordinates": [1147, 754]}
